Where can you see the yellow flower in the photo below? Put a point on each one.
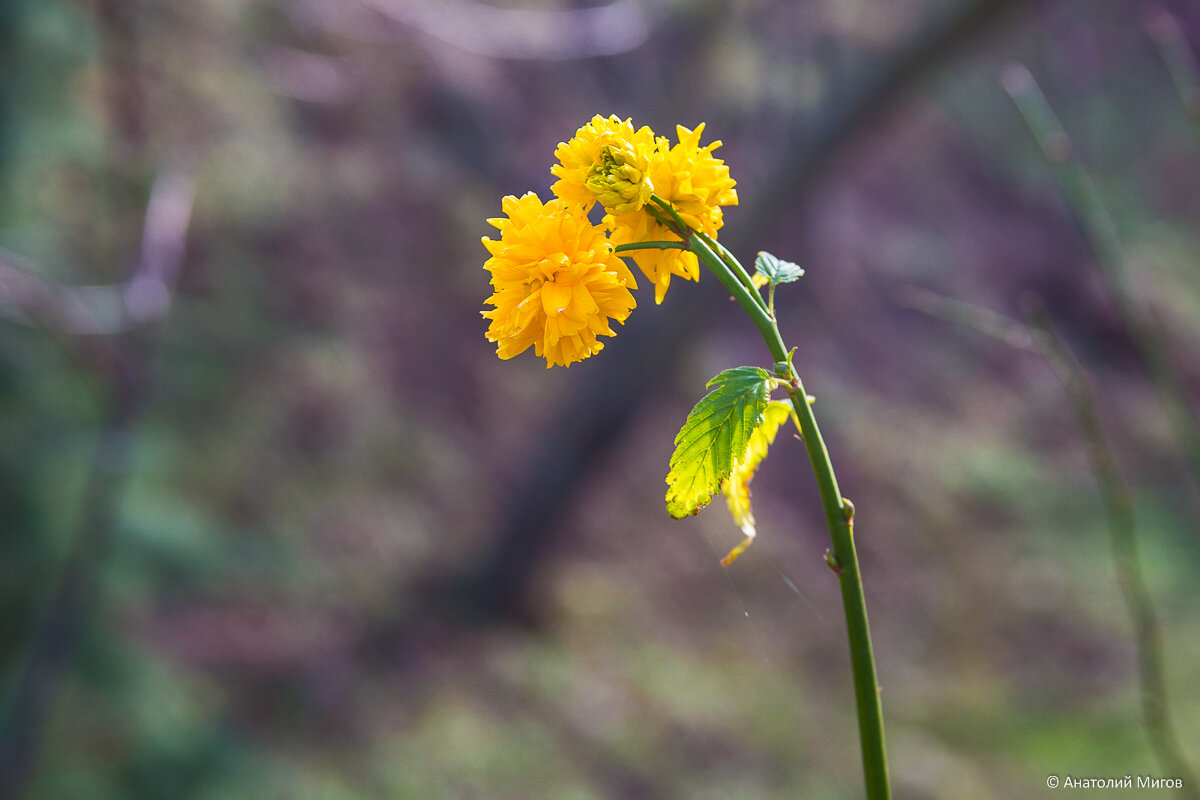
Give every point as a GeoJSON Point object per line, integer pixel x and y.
{"type": "Point", "coordinates": [556, 282]}
{"type": "Point", "coordinates": [657, 265]}
{"type": "Point", "coordinates": [696, 184]}
{"type": "Point", "coordinates": [607, 160]}
{"type": "Point", "coordinates": [737, 485]}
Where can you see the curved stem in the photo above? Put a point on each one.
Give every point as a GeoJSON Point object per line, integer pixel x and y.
{"type": "Point", "coordinates": [839, 514]}
{"type": "Point", "coordinates": [752, 302]}
{"type": "Point", "coordinates": [740, 271]}
{"type": "Point", "coordinates": [667, 215]}
{"type": "Point", "coordinates": [671, 216]}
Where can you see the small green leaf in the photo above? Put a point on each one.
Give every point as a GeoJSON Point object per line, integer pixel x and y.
{"type": "Point", "coordinates": [715, 435]}
{"type": "Point", "coordinates": [775, 270]}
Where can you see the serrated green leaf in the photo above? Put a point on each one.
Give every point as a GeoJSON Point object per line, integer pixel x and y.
{"type": "Point", "coordinates": [776, 270]}
{"type": "Point", "coordinates": [715, 435]}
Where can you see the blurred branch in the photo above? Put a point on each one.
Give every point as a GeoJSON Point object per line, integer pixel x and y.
{"type": "Point", "coordinates": [123, 313]}
{"type": "Point", "coordinates": [1123, 540]}
{"type": "Point", "coordinates": [967, 315]}
{"type": "Point", "coordinates": [73, 600]}
{"type": "Point", "coordinates": [143, 299]}
{"type": "Point", "coordinates": [310, 77]}
{"type": "Point", "coordinates": [1101, 232]}
{"type": "Point", "coordinates": [1040, 337]}
{"type": "Point", "coordinates": [596, 413]}
{"type": "Point", "coordinates": [11, 23]}
{"type": "Point", "coordinates": [164, 234]}
{"type": "Point", "coordinates": [552, 35]}
{"type": "Point", "coordinates": [848, 113]}
{"type": "Point", "coordinates": [125, 101]}
{"type": "Point", "coordinates": [1180, 61]}
{"type": "Point", "coordinates": [29, 298]}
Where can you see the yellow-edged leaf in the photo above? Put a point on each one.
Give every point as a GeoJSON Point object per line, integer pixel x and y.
{"type": "Point", "coordinates": [715, 435]}
{"type": "Point", "coordinates": [737, 487]}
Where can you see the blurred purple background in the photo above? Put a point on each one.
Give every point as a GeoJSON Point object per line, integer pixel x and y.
{"type": "Point", "coordinates": [276, 522]}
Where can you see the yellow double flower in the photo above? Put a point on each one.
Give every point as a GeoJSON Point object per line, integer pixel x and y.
{"type": "Point", "coordinates": [557, 282]}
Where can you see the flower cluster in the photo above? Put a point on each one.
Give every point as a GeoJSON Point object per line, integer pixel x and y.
{"type": "Point", "coordinates": [558, 279]}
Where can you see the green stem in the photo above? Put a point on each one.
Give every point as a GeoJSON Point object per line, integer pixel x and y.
{"type": "Point", "coordinates": [667, 215]}
{"type": "Point", "coordinates": [671, 217]}
{"type": "Point", "coordinates": [750, 301]}
{"type": "Point", "coordinates": [738, 270]}
{"type": "Point", "coordinates": [625, 248]}
{"type": "Point", "coordinates": [839, 515]}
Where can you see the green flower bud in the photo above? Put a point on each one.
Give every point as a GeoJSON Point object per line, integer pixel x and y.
{"type": "Point", "coordinates": [619, 179]}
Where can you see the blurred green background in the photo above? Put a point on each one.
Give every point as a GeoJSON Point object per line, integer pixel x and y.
{"type": "Point", "coordinates": [275, 522]}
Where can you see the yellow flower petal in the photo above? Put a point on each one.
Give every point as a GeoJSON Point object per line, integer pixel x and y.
{"type": "Point", "coordinates": [697, 185]}
{"type": "Point", "coordinates": [556, 297]}
{"type": "Point", "coordinates": [606, 160]}
{"type": "Point", "coordinates": [556, 283]}
{"type": "Point", "coordinates": [737, 486]}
